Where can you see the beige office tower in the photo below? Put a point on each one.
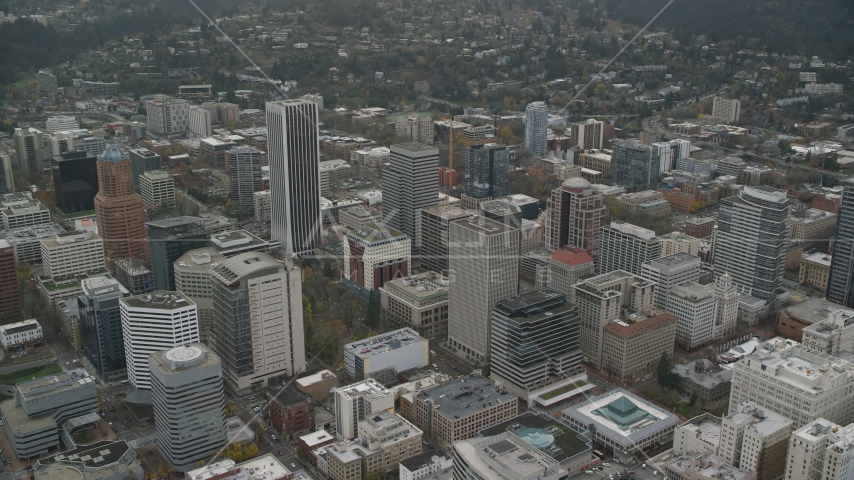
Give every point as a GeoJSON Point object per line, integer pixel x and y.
{"type": "Point", "coordinates": [193, 273]}
{"type": "Point", "coordinates": [604, 298]}
{"type": "Point", "coordinates": [727, 315]}
{"type": "Point", "coordinates": [257, 326]}
{"type": "Point", "coordinates": [483, 268]}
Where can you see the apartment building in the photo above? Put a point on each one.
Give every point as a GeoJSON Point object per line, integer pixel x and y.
{"type": "Point", "coordinates": [168, 116]}
{"type": "Point", "coordinates": [414, 128]}
{"type": "Point", "coordinates": [575, 216]}
{"type": "Point", "coordinates": [727, 109]}
{"type": "Point", "coordinates": [358, 401]}
{"type": "Point", "coordinates": [157, 189]}
{"type": "Point", "coordinates": [796, 382]}
{"type": "Point", "coordinates": [605, 297]}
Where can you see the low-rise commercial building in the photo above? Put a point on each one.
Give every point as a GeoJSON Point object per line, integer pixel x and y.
{"type": "Point", "coordinates": [382, 356]}
{"type": "Point", "coordinates": [458, 410]}
{"type": "Point", "coordinates": [359, 217]}
{"type": "Point", "coordinates": [432, 463]}
{"type": "Point", "coordinates": [40, 407]}
{"type": "Point", "coordinates": [815, 227]}
{"type": "Point", "coordinates": [290, 411]}
{"type": "Point", "coordinates": [622, 422]}
{"type": "Point", "coordinates": [317, 385]}
{"type": "Point", "coordinates": [268, 466]}
{"type": "Point", "coordinates": [21, 334]}
{"type": "Point", "coordinates": [105, 460]}
{"type": "Point", "coordinates": [699, 227]}
{"type": "Point", "coordinates": [802, 312]}
{"type": "Point", "coordinates": [698, 466]}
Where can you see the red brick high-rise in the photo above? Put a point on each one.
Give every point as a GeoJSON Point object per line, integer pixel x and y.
{"type": "Point", "coordinates": [10, 293]}
{"type": "Point", "coordinates": [119, 210]}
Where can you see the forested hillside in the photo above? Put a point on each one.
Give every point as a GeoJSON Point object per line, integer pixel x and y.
{"type": "Point", "coordinates": [807, 27]}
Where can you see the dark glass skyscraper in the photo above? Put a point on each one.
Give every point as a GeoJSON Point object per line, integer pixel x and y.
{"type": "Point", "coordinates": [168, 240]}
{"type": "Point", "coordinates": [75, 181]}
{"type": "Point", "coordinates": [634, 165]}
{"type": "Point", "coordinates": [101, 326]}
{"type": "Point", "coordinates": [486, 171]}
{"type": "Point", "coordinates": [840, 285]}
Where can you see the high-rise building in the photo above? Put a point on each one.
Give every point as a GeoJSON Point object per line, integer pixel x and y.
{"type": "Point", "coordinates": [563, 269]}
{"type": "Point", "coordinates": [669, 272]}
{"type": "Point", "coordinates": [671, 152]}
{"type": "Point", "coordinates": [153, 322]}
{"type": "Point", "coordinates": [435, 221]}
{"type": "Point", "coordinates": [376, 255]}
{"type": "Point", "coordinates": [728, 109]}
{"type": "Point", "coordinates": [840, 284]}
{"type": "Point", "coordinates": [193, 273]}
{"type": "Point", "coordinates": [101, 326]}
{"type": "Point", "coordinates": [754, 439]}
{"type": "Point", "coordinates": [820, 450]}
{"type": "Point", "coordinates": [486, 171]}
{"type": "Point", "coordinates": [61, 123]}
{"type": "Point", "coordinates": [28, 144]}
{"type": "Point", "coordinates": [575, 216]}
{"type": "Point", "coordinates": [807, 384]}
{"type": "Point", "coordinates": [727, 296]}
{"type": "Point", "coordinates": [535, 341]}
{"type": "Point", "coordinates": [168, 240]}
{"type": "Point", "coordinates": [418, 301]}
{"type": "Point", "coordinates": [46, 81]}
{"type": "Point", "coordinates": [410, 184]}
{"type": "Point", "coordinates": [157, 189]}
{"type": "Point", "coordinates": [262, 206]}
{"type": "Point", "coordinates": [677, 242]}
{"type": "Point", "coordinates": [187, 431]}
{"type": "Point", "coordinates": [119, 211]}
{"type": "Point", "coordinates": [143, 160]}
{"type": "Point", "coordinates": [587, 135]}
{"type": "Point", "coordinates": [133, 274]}
{"type": "Point", "coordinates": [10, 293]}
{"type": "Point", "coordinates": [358, 401]}
{"type": "Point", "coordinates": [200, 121]}
{"type": "Point", "coordinates": [75, 181]}
{"type": "Point", "coordinates": [293, 156]}
{"type": "Point", "coordinates": [414, 128]}
{"type": "Point", "coordinates": [244, 171]}
{"type": "Point", "coordinates": [751, 240]}
{"type": "Point", "coordinates": [536, 128]}
{"type": "Point", "coordinates": [67, 255]}
{"type": "Point", "coordinates": [168, 116]}
{"type": "Point", "coordinates": [635, 166]}
{"type": "Point", "coordinates": [483, 267]}
{"type": "Point", "coordinates": [696, 310]}
{"type": "Point", "coordinates": [623, 246]}
{"type": "Point", "coordinates": [257, 327]}
{"type": "Point", "coordinates": [604, 298]}
{"type": "Point", "coordinates": [7, 179]}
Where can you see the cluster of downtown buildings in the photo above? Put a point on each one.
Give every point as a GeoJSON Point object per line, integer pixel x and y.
{"type": "Point", "coordinates": [164, 303]}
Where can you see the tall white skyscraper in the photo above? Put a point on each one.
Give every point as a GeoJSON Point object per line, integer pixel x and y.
{"type": "Point", "coordinates": [750, 243]}
{"type": "Point", "coordinates": [410, 184]}
{"type": "Point", "coordinates": [257, 327]}
{"type": "Point", "coordinates": [293, 153]}
{"type": "Point", "coordinates": [536, 128]}
{"type": "Point", "coordinates": [152, 322]}
{"type": "Point", "coordinates": [483, 266]}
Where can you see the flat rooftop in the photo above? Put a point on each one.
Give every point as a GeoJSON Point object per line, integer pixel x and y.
{"type": "Point", "coordinates": [466, 396]}
{"type": "Point", "coordinates": [423, 285]}
{"type": "Point", "coordinates": [622, 416]}
{"type": "Point", "coordinates": [367, 388]}
{"type": "Point", "coordinates": [376, 233]}
{"type": "Point", "coordinates": [534, 305]}
{"type": "Point", "coordinates": [53, 384]}
{"type": "Point", "coordinates": [175, 221]}
{"type": "Point", "coordinates": [236, 240]}
{"type": "Point", "coordinates": [447, 212]}
{"type": "Point", "coordinates": [812, 310]}
{"type": "Point", "coordinates": [423, 459]}
{"type": "Point", "coordinates": [414, 147]}
{"type": "Point", "coordinates": [320, 376]}
{"type": "Point", "coordinates": [484, 226]}
{"type": "Point", "coordinates": [161, 300]}
{"type": "Point", "coordinates": [383, 343]}
{"type": "Point", "coordinates": [819, 258]}
{"type": "Point", "coordinates": [676, 259]}
{"type": "Point", "coordinates": [544, 433]}
{"type": "Point", "coordinates": [20, 422]}
{"type": "Point", "coordinates": [96, 455]}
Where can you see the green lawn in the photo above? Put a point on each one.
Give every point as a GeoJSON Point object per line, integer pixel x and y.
{"type": "Point", "coordinates": [562, 390]}
{"type": "Point", "coordinates": [29, 373]}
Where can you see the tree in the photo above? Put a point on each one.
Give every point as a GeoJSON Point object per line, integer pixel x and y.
{"type": "Point", "coordinates": [327, 269]}
{"type": "Point", "coordinates": [372, 314]}
{"type": "Point", "coordinates": [666, 378]}
{"type": "Point", "coordinates": [230, 409]}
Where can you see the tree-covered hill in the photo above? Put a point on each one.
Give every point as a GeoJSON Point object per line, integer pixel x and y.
{"type": "Point", "coordinates": [806, 27]}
